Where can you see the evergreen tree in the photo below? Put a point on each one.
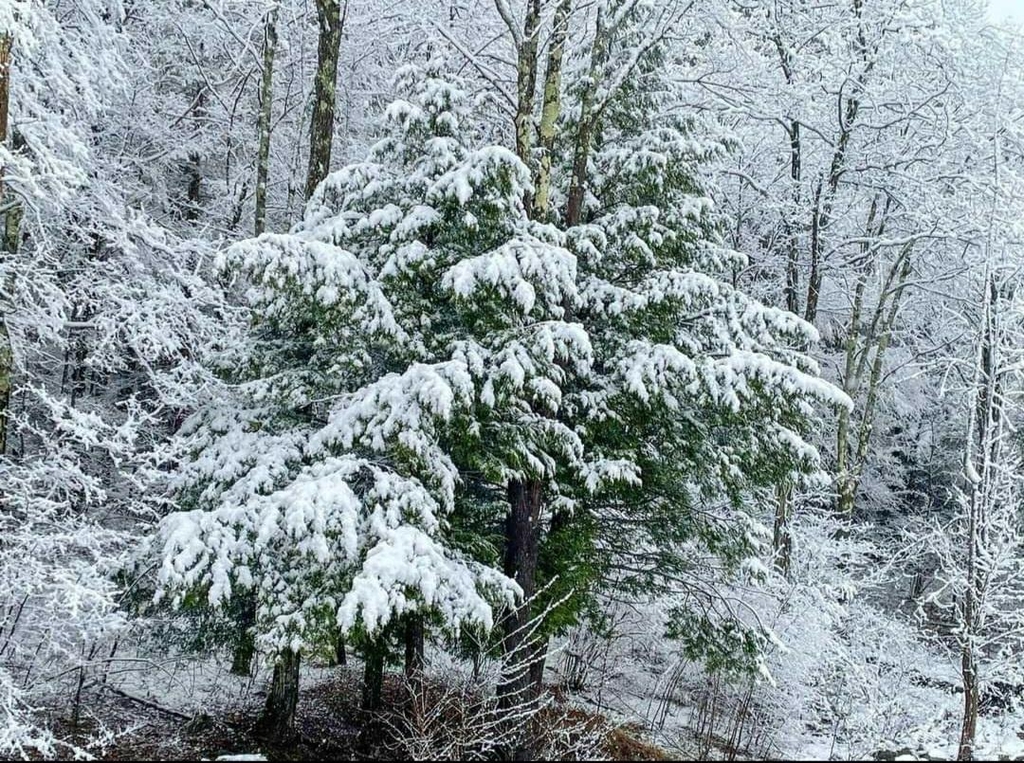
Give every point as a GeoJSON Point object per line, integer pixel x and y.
{"type": "Point", "coordinates": [406, 343]}
{"type": "Point", "coordinates": [697, 393]}
{"type": "Point", "coordinates": [411, 363]}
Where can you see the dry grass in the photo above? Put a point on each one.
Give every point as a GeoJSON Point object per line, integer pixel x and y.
{"type": "Point", "coordinates": [627, 743]}
{"type": "Point", "coordinates": [330, 726]}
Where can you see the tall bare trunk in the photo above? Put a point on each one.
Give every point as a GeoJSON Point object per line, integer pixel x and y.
{"type": "Point", "coordinates": [867, 342]}
{"type": "Point", "coordinates": [793, 253]}
{"type": "Point", "coordinates": [969, 673]}
{"type": "Point", "coordinates": [415, 638]}
{"type": "Point", "coordinates": [867, 421]}
{"type": "Point", "coordinates": [526, 81]}
{"type": "Point", "coordinates": [585, 134]}
{"type": "Point", "coordinates": [241, 658]}
{"type": "Point", "coordinates": [279, 712]}
{"type": "Point", "coordinates": [6, 382]}
{"type": "Point", "coordinates": [819, 222]}
{"type": "Point", "coordinates": [6, 43]}
{"type": "Point", "coordinates": [524, 656]}
{"type": "Point", "coordinates": [982, 443]}
{"type": "Point", "coordinates": [782, 541]}
{"type": "Point", "coordinates": [373, 673]}
{"type": "Point", "coordinates": [245, 647]}
{"type": "Point", "coordinates": [551, 107]}
{"type": "Point", "coordinates": [845, 492]}
{"type": "Point", "coordinates": [321, 128]}
{"type": "Point", "coordinates": [825, 193]}
{"type": "Point", "coordinates": [194, 166]}
{"type": "Point", "coordinates": [795, 162]}
{"type": "Point", "coordinates": [522, 553]}
{"type": "Point", "coordinates": [9, 242]}
{"type": "Point", "coordinates": [782, 538]}
{"type": "Point", "coordinates": [263, 123]}
{"type": "Point", "coordinates": [340, 657]}
{"type": "Point", "coordinates": [331, 16]}
{"type": "Point", "coordinates": [518, 687]}
{"type": "Point", "coordinates": [321, 137]}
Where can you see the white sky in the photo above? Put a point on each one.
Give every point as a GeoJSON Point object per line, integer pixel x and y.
{"type": "Point", "coordinates": [1003, 8]}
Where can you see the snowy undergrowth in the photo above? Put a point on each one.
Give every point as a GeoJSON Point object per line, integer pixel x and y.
{"type": "Point", "coordinates": [842, 678]}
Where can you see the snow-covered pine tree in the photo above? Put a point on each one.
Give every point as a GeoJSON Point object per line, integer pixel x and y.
{"type": "Point", "coordinates": [698, 393]}
{"type": "Point", "coordinates": [421, 352]}
{"type": "Point", "coordinates": [406, 356]}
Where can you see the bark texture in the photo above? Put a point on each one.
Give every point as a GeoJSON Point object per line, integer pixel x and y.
{"type": "Point", "coordinates": [9, 241]}
{"type": "Point", "coordinates": [279, 713]}
{"type": "Point", "coordinates": [263, 124]}
{"type": "Point", "coordinates": [373, 674]}
{"type": "Point", "coordinates": [522, 552]}
{"type": "Point", "coordinates": [321, 128]}
{"type": "Point", "coordinates": [589, 113]}
{"type": "Point", "coordinates": [551, 107]}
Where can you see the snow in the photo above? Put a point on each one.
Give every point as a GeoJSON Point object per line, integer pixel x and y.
{"type": "Point", "coordinates": [321, 422]}
{"type": "Point", "coordinates": [518, 270]}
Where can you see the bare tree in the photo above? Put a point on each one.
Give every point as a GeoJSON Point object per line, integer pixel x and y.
{"type": "Point", "coordinates": [6, 358]}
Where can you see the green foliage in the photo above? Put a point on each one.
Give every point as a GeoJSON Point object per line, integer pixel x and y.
{"type": "Point", "coordinates": [699, 392]}
{"type": "Point", "coordinates": [724, 645]}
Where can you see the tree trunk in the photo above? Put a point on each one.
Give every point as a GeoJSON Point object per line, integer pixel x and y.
{"type": "Point", "coordinates": [979, 438]}
{"type": "Point", "coordinates": [585, 135]}
{"type": "Point", "coordinates": [6, 42]}
{"type": "Point", "coordinates": [851, 454]}
{"type": "Point", "coordinates": [373, 674]}
{"type": "Point", "coordinates": [414, 645]}
{"type": "Point", "coordinates": [793, 255]}
{"type": "Point", "coordinates": [321, 128]}
{"type": "Point", "coordinates": [522, 545]}
{"type": "Point", "coordinates": [6, 356]}
{"type": "Point", "coordinates": [867, 422]}
{"type": "Point", "coordinates": [245, 648]}
{"type": "Point", "coordinates": [414, 648]}
{"type": "Point", "coordinates": [852, 374]}
{"type": "Point", "coordinates": [279, 713]}
{"type": "Point", "coordinates": [969, 672]}
{"type": "Point", "coordinates": [845, 489]}
{"type": "Point", "coordinates": [194, 165]}
{"type": "Point", "coordinates": [6, 382]}
{"type": "Point", "coordinates": [12, 229]}
{"type": "Point", "coordinates": [263, 123]}
{"type": "Point", "coordinates": [340, 651]}
{"type": "Point", "coordinates": [551, 107]}
{"type": "Point", "coordinates": [795, 162]}
{"type": "Point", "coordinates": [819, 221]}
{"type": "Point", "coordinates": [782, 541]}
{"type": "Point", "coordinates": [523, 680]}
{"type": "Point", "coordinates": [824, 198]}
{"type": "Point", "coordinates": [321, 131]}
{"type": "Point", "coordinates": [526, 81]}
{"type": "Point", "coordinates": [578, 184]}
